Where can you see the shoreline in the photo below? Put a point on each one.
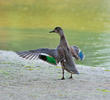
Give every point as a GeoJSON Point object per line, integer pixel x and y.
{"type": "Point", "coordinates": [22, 79]}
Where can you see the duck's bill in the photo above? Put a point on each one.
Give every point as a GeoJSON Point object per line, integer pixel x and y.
{"type": "Point", "coordinates": [52, 31]}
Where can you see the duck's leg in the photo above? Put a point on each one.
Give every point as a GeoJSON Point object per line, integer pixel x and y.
{"type": "Point", "coordinates": [62, 74]}
{"type": "Point", "coordinates": [70, 77]}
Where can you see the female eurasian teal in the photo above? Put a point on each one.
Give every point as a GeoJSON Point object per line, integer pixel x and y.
{"type": "Point", "coordinates": [63, 54]}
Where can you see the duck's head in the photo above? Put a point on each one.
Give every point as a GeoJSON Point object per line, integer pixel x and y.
{"type": "Point", "coordinates": [58, 30]}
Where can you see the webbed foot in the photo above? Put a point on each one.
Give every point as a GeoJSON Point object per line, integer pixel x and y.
{"type": "Point", "coordinates": [70, 77]}
{"type": "Point", "coordinates": [62, 78]}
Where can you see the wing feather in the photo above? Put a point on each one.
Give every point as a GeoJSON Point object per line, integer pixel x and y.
{"type": "Point", "coordinates": [33, 54]}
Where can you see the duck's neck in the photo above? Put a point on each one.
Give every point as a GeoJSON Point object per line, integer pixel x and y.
{"type": "Point", "coordinates": [63, 39]}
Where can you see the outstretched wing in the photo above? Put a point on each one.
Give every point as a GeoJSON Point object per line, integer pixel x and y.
{"type": "Point", "coordinates": [45, 54]}
{"type": "Point", "coordinates": [49, 55]}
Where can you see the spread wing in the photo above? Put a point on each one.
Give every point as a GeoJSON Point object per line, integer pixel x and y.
{"type": "Point", "coordinates": [33, 54]}
{"type": "Point", "coordinates": [48, 55]}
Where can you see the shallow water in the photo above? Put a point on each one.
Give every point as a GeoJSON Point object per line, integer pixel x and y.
{"type": "Point", "coordinates": [96, 46]}
{"type": "Point", "coordinates": [25, 25]}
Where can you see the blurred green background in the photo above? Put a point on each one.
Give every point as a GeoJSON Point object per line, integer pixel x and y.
{"type": "Point", "coordinates": [24, 24]}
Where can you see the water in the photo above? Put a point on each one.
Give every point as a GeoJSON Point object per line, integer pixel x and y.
{"type": "Point", "coordinates": [25, 25]}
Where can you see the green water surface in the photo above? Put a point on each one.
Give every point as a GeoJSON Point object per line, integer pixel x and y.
{"type": "Point", "coordinates": [25, 25]}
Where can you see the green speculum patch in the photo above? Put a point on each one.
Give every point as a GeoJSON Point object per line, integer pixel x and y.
{"type": "Point", "coordinates": [48, 59]}
{"type": "Point", "coordinates": [51, 60]}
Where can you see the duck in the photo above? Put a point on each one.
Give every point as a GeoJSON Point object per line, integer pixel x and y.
{"type": "Point", "coordinates": [63, 54]}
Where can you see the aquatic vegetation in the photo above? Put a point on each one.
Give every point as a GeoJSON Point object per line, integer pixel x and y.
{"type": "Point", "coordinates": [107, 70]}
{"type": "Point", "coordinates": [29, 66]}
{"type": "Point", "coordinates": [103, 90]}
{"type": "Point", "coordinates": [4, 72]}
{"type": "Point", "coordinates": [58, 66]}
{"type": "Point", "coordinates": [6, 63]}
